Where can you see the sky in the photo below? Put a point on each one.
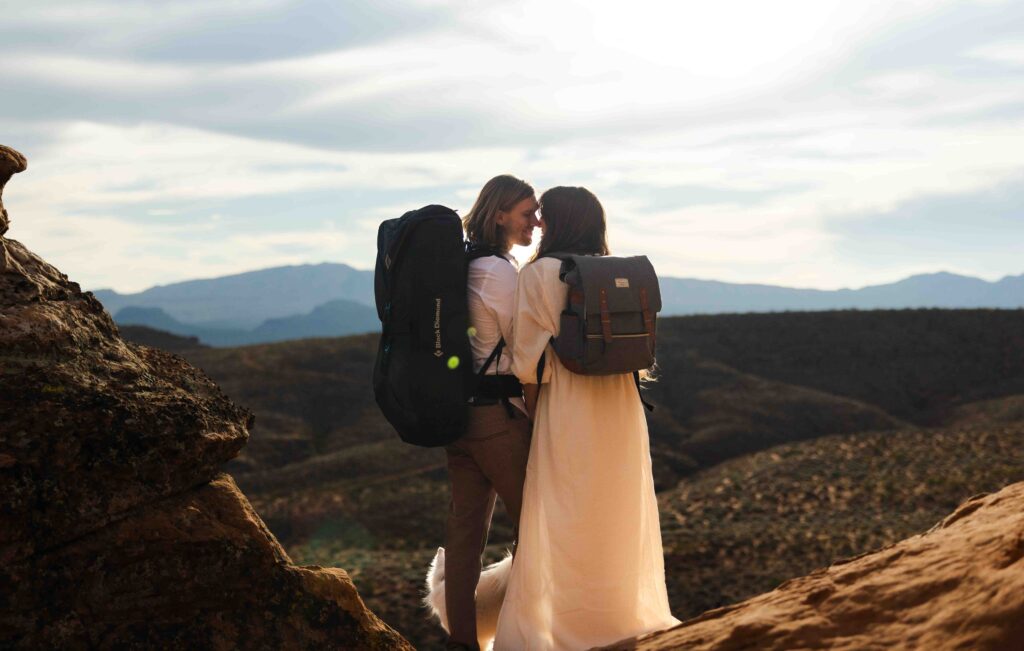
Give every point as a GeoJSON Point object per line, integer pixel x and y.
{"type": "Point", "coordinates": [811, 143]}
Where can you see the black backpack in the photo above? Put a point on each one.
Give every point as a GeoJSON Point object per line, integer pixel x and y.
{"type": "Point", "coordinates": [423, 377]}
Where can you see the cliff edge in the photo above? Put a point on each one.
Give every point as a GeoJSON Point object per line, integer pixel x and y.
{"type": "Point", "coordinates": [117, 527]}
{"type": "Point", "coordinates": [960, 585]}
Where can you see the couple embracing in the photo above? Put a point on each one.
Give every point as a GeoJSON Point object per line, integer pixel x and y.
{"type": "Point", "coordinates": [568, 455]}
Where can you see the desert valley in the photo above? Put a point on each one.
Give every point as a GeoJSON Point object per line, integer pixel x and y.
{"type": "Point", "coordinates": [782, 442]}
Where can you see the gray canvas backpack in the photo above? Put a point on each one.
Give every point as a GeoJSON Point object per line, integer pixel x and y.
{"type": "Point", "coordinates": [609, 323]}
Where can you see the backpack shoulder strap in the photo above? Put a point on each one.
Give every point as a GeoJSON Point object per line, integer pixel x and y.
{"type": "Point", "coordinates": [475, 251]}
{"type": "Point", "coordinates": [495, 354]}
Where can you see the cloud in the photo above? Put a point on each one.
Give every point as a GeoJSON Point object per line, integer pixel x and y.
{"type": "Point", "coordinates": [212, 31]}
{"type": "Point", "coordinates": [93, 249]}
{"type": "Point", "coordinates": [490, 74]}
{"type": "Point", "coordinates": [104, 165]}
{"type": "Point", "coordinates": [978, 232]}
{"type": "Point", "coordinates": [725, 147]}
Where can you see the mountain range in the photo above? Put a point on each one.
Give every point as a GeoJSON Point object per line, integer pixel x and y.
{"type": "Point", "coordinates": [332, 299]}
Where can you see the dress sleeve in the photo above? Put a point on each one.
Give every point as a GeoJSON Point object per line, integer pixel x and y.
{"type": "Point", "coordinates": [534, 322]}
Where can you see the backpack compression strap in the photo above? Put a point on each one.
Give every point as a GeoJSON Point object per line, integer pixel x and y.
{"type": "Point", "coordinates": [474, 252]}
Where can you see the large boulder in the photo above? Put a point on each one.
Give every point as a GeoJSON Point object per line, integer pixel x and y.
{"type": "Point", "coordinates": [117, 526]}
{"type": "Point", "coordinates": [958, 586]}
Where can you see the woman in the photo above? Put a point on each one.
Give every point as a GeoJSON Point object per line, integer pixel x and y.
{"type": "Point", "coordinates": [589, 569]}
{"type": "Point", "coordinates": [490, 459]}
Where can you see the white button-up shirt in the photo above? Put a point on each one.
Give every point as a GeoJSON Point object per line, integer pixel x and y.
{"type": "Point", "coordinates": [491, 292]}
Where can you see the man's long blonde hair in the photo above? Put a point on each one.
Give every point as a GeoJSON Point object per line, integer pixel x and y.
{"type": "Point", "coordinates": [500, 193]}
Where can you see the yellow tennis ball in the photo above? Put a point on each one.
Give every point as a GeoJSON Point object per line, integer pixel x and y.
{"type": "Point", "coordinates": [453, 362]}
{"type": "Point", "coordinates": [471, 331]}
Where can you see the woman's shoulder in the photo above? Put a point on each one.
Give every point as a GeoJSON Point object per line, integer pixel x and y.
{"type": "Point", "coordinates": [543, 267]}
{"type": "Point", "coordinates": [540, 275]}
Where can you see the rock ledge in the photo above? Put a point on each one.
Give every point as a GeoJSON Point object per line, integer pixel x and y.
{"type": "Point", "coordinates": [958, 586]}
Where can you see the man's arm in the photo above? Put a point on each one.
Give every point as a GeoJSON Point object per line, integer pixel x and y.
{"type": "Point", "coordinates": [530, 393]}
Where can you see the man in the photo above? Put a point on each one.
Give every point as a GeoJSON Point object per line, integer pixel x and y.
{"type": "Point", "coordinates": [490, 459]}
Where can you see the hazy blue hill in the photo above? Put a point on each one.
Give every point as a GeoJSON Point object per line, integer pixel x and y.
{"type": "Point", "coordinates": [152, 317]}
{"type": "Point", "coordinates": [943, 289]}
{"type": "Point", "coordinates": [248, 299]}
{"type": "Point", "coordinates": [1012, 286]}
{"type": "Point", "coordinates": [332, 319]}
{"type": "Point", "coordinates": [936, 290]}
{"type": "Point", "coordinates": [155, 317]}
{"type": "Point", "coordinates": [691, 296]}
{"type": "Point", "coordinates": [159, 339]}
{"type": "Point", "coordinates": [327, 320]}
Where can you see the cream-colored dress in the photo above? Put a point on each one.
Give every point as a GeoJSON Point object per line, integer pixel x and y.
{"type": "Point", "coordinates": [589, 569]}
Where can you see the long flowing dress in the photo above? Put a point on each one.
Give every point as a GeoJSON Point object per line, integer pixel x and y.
{"type": "Point", "coordinates": [589, 569]}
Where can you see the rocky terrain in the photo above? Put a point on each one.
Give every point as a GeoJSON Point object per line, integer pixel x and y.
{"type": "Point", "coordinates": [782, 443]}
{"type": "Point", "coordinates": [118, 528]}
{"type": "Point", "coordinates": [746, 525]}
{"type": "Point", "coordinates": [960, 585]}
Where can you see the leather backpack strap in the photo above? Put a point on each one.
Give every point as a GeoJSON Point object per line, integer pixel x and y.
{"type": "Point", "coordinates": [606, 318]}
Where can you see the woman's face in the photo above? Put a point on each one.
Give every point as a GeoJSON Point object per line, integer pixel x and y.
{"type": "Point", "coordinates": [519, 222]}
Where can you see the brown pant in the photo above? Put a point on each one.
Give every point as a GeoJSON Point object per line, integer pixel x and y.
{"type": "Point", "coordinates": [490, 459]}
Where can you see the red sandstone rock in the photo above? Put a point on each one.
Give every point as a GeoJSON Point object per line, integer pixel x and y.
{"type": "Point", "coordinates": [11, 162]}
{"type": "Point", "coordinates": [117, 528]}
{"type": "Point", "coordinates": [958, 586]}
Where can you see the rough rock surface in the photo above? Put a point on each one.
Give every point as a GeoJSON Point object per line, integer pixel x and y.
{"type": "Point", "coordinates": [958, 586]}
{"type": "Point", "coordinates": [117, 528]}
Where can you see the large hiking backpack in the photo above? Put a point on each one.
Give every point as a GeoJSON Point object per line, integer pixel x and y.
{"type": "Point", "coordinates": [423, 376]}
{"type": "Point", "coordinates": [610, 319]}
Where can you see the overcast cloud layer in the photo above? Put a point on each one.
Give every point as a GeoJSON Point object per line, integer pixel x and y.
{"type": "Point", "coordinates": [817, 143]}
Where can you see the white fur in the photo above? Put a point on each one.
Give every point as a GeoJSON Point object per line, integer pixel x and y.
{"type": "Point", "coordinates": [490, 593]}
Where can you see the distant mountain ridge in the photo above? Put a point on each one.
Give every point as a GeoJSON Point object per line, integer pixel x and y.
{"type": "Point", "coordinates": [244, 301]}
{"type": "Point", "coordinates": [332, 319]}
{"type": "Point", "coordinates": [294, 302]}
{"type": "Point", "coordinates": [682, 296]}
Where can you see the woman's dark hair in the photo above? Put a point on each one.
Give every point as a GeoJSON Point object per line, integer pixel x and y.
{"type": "Point", "coordinates": [573, 223]}
{"type": "Point", "coordinates": [501, 193]}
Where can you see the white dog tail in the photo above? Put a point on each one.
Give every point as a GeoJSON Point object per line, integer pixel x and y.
{"type": "Point", "coordinates": [490, 593]}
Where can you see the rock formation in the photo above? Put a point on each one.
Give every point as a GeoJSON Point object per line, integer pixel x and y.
{"type": "Point", "coordinates": [11, 162]}
{"type": "Point", "coordinates": [117, 527]}
{"type": "Point", "coordinates": [958, 586]}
